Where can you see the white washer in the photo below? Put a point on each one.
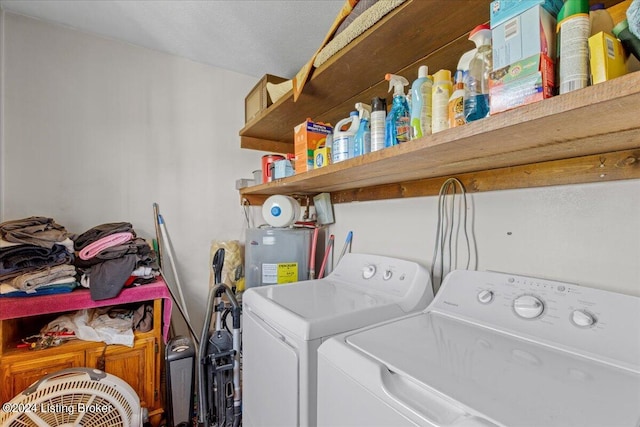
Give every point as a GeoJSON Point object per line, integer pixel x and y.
{"type": "Point", "coordinates": [283, 326]}
{"type": "Point", "coordinates": [491, 349]}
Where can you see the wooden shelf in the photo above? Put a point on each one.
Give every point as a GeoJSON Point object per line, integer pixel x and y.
{"type": "Point", "coordinates": [587, 135]}
{"type": "Point", "coordinates": [572, 128]}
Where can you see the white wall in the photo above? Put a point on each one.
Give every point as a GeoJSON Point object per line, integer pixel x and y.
{"type": "Point", "coordinates": [586, 234]}
{"type": "Point", "coordinates": [97, 131]}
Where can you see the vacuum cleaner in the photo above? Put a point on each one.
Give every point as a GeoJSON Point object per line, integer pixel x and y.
{"type": "Point", "coordinates": [220, 398]}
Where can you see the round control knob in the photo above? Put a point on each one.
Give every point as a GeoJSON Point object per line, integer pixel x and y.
{"type": "Point", "coordinates": [368, 271]}
{"type": "Point", "coordinates": [387, 274]}
{"type": "Point", "coordinates": [485, 296]}
{"type": "Point", "coordinates": [582, 318]}
{"type": "Point", "coordinates": [528, 306]}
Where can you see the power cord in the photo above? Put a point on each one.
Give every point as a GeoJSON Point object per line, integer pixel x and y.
{"type": "Point", "coordinates": [445, 253]}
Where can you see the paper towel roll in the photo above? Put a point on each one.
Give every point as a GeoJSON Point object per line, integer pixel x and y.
{"type": "Point", "coordinates": [280, 211]}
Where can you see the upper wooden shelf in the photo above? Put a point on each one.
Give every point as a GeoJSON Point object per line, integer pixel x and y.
{"type": "Point", "coordinates": [600, 119]}
{"type": "Point", "coordinates": [399, 43]}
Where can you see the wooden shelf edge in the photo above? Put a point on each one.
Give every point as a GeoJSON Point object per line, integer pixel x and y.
{"type": "Point", "coordinates": [619, 165]}
{"type": "Point", "coordinates": [602, 167]}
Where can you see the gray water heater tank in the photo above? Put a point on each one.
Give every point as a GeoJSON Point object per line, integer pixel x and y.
{"type": "Point", "coordinates": [279, 255]}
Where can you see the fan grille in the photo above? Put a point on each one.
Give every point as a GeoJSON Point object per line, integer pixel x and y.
{"type": "Point", "coordinates": [75, 399]}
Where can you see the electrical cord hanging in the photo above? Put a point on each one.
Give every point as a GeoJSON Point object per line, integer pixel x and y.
{"type": "Point", "coordinates": [445, 252]}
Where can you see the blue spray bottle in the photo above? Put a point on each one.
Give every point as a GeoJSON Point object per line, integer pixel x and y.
{"type": "Point", "coordinates": [362, 140]}
{"type": "Point", "coordinates": [398, 122]}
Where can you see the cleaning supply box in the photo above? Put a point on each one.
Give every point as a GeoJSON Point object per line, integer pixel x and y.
{"type": "Point", "coordinates": [523, 44]}
{"type": "Point", "coordinates": [606, 57]}
{"type": "Point", "coordinates": [307, 137]}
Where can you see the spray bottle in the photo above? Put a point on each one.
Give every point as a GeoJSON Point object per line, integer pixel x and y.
{"type": "Point", "coordinates": [476, 99]}
{"type": "Point", "coordinates": [397, 125]}
{"type": "Point", "coordinates": [456, 101]}
{"type": "Point", "coordinates": [343, 139]}
{"type": "Point", "coordinates": [362, 139]}
{"type": "Point", "coordinates": [421, 104]}
{"type": "Point", "coordinates": [572, 41]}
{"type": "Point", "coordinates": [378, 119]}
{"type": "Point", "coordinates": [440, 94]}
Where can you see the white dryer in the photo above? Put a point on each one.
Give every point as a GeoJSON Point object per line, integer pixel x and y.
{"type": "Point", "coordinates": [490, 350]}
{"type": "Point", "coordinates": [283, 326]}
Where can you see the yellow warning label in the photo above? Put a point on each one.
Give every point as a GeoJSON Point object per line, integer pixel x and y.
{"type": "Point", "coordinates": [287, 272]}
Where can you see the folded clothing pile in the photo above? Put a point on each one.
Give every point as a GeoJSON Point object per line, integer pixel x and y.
{"type": "Point", "coordinates": [110, 256]}
{"type": "Point", "coordinates": [36, 257]}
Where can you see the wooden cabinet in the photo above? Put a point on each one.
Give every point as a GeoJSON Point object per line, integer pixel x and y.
{"type": "Point", "coordinates": [589, 135]}
{"type": "Point", "coordinates": [136, 365]}
{"type": "Point", "coordinates": [18, 373]}
{"type": "Point", "coordinates": [140, 365]}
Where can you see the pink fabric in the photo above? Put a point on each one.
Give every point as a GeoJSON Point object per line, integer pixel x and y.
{"type": "Point", "coordinates": [106, 242]}
{"type": "Point", "coordinates": [11, 308]}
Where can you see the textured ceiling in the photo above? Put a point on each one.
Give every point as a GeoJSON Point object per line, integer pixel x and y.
{"type": "Point", "coordinates": [253, 37]}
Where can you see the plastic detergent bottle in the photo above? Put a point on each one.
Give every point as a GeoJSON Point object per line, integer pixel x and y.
{"type": "Point", "coordinates": [378, 118]}
{"type": "Point", "coordinates": [343, 139]}
{"type": "Point", "coordinates": [476, 99]}
{"type": "Point", "coordinates": [440, 95]}
{"type": "Point", "coordinates": [397, 125]}
{"type": "Point", "coordinates": [456, 102]}
{"type": "Point", "coordinates": [421, 104]}
{"type": "Point", "coordinates": [362, 139]}
{"type": "Point", "coordinates": [572, 35]}
{"type": "Point", "coordinates": [630, 42]}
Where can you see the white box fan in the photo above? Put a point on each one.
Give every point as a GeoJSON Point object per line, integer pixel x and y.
{"type": "Point", "coordinates": [75, 397]}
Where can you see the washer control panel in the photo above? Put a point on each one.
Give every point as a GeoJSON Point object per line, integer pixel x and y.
{"type": "Point", "coordinates": [564, 314]}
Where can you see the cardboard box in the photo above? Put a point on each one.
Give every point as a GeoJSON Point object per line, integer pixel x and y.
{"type": "Point", "coordinates": [307, 137]}
{"type": "Point", "coordinates": [524, 82]}
{"type": "Point", "coordinates": [258, 99]}
{"type": "Point", "coordinates": [606, 57]}
{"type": "Point", "coordinates": [531, 32]}
{"type": "Point", "coordinates": [523, 46]}
{"type": "Point", "coordinates": [501, 10]}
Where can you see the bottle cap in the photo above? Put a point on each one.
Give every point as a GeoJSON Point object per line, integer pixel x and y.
{"type": "Point", "coordinates": [481, 35]}
{"type": "Point", "coordinates": [423, 71]}
{"type": "Point", "coordinates": [442, 76]}
{"type": "Point", "coordinates": [623, 25]}
{"type": "Point", "coordinates": [378, 104]}
{"type": "Point", "coordinates": [573, 7]}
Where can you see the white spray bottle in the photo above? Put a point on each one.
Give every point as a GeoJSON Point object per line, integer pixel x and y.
{"type": "Point", "coordinates": [476, 96]}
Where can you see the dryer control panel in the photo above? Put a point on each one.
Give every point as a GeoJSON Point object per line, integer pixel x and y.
{"type": "Point", "coordinates": [405, 281]}
{"type": "Point", "coordinates": [593, 321]}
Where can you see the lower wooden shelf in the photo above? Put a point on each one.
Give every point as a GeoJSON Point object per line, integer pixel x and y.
{"type": "Point", "coordinates": [568, 137]}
